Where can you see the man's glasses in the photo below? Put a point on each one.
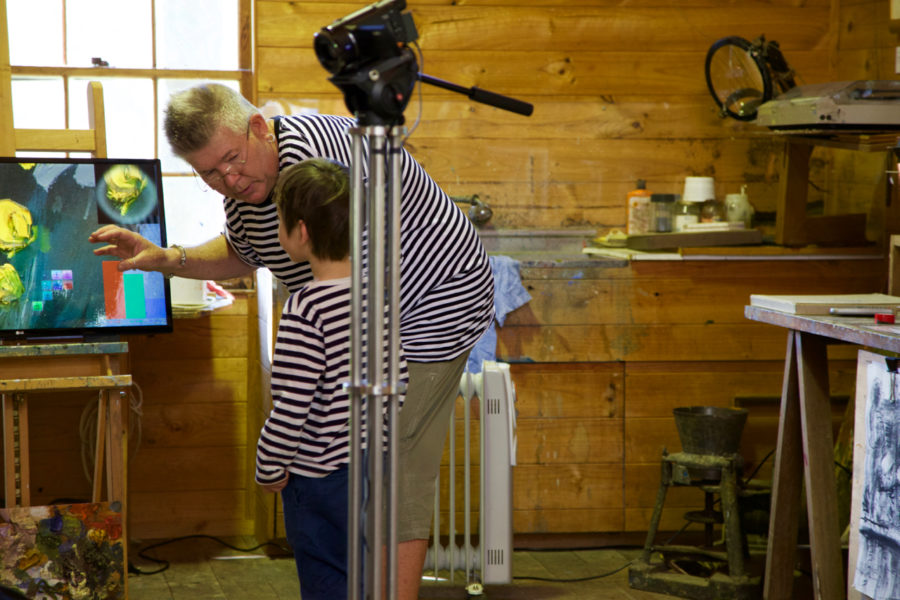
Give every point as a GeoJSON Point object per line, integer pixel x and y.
{"type": "Point", "coordinates": [215, 177]}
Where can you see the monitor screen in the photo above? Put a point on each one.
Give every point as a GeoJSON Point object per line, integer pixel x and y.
{"type": "Point", "coordinates": [52, 285]}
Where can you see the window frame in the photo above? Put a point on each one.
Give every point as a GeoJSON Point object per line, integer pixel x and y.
{"type": "Point", "coordinates": [244, 74]}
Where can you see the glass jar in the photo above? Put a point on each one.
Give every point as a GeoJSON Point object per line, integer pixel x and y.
{"type": "Point", "coordinates": [686, 213]}
{"type": "Point", "coordinates": [712, 211]}
{"type": "Point", "coordinates": [663, 211]}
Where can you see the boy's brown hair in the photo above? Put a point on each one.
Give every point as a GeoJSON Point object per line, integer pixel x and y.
{"type": "Point", "coordinates": [317, 191]}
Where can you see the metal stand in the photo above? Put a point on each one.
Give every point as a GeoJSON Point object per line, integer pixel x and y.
{"type": "Point", "coordinates": [368, 55]}
{"type": "Point", "coordinates": [372, 516]}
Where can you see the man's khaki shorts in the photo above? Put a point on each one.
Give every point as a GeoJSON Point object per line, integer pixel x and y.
{"type": "Point", "coordinates": [424, 423]}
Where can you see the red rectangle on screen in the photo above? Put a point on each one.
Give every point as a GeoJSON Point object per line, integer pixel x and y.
{"type": "Point", "coordinates": [113, 290]}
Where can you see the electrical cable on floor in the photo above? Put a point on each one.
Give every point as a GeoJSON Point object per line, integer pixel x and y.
{"type": "Point", "coordinates": [577, 579]}
{"type": "Point", "coordinates": [165, 564]}
{"type": "Point", "coordinates": [579, 548]}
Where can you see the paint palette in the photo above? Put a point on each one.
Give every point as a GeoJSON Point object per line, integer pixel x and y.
{"type": "Point", "coordinates": [63, 551]}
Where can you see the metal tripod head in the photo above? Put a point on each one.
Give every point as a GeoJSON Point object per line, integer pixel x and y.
{"type": "Point", "coordinates": [367, 53]}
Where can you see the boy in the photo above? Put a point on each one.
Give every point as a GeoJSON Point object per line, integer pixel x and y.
{"type": "Point", "coordinates": [303, 449]}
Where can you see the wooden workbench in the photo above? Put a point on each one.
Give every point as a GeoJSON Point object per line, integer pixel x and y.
{"type": "Point", "coordinates": [804, 452]}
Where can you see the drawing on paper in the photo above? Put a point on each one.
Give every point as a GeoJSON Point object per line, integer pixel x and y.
{"type": "Point", "coordinates": [878, 561]}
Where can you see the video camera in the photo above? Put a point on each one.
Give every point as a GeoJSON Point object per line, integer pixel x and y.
{"type": "Point", "coordinates": [368, 55]}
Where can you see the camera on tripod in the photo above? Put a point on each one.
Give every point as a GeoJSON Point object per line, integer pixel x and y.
{"type": "Point", "coordinates": [368, 56]}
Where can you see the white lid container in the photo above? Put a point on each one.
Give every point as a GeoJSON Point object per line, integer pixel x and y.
{"type": "Point", "coordinates": [698, 189]}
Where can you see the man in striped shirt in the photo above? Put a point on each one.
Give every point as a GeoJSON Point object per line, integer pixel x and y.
{"type": "Point", "coordinates": [303, 449]}
{"type": "Point", "coordinates": [446, 287]}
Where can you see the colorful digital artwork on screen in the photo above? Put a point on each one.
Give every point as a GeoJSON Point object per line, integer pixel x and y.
{"type": "Point", "coordinates": [50, 280]}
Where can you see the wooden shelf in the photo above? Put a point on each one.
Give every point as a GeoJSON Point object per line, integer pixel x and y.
{"type": "Point", "coordinates": [792, 225]}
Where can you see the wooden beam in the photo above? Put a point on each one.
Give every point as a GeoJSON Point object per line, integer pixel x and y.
{"type": "Point", "coordinates": [97, 117]}
{"type": "Point", "coordinates": [52, 384]}
{"type": "Point", "coordinates": [9, 448]}
{"type": "Point", "coordinates": [7, 143]}
{"type": "Point", "coordinates": [70, 140]}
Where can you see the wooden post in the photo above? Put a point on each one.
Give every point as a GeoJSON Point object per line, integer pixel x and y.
{"type": "Point", "coordinates": [818, 450]}
{"type": "Point", "coordinates": [785, 513]}
{"type": "Point", "coordinates": [894, 265]}
{"type": "Point", "coordinates": [24, 450]}
{"type": "Point", "coordinates": [97, 117]}
{"type": "Point", "coordinates": [102, 424]}
{"type": "Point", "coordinates": [7, 138]}
{"type": "Point", "coordinates": [793, 186]}
{"type": "Point", "coordinates": [9, 450]}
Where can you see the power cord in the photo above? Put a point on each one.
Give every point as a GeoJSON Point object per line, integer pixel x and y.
{"type": "Point", "coordinates": [578, 579]}
{"type": "Point", "coordinates": [165, 564]}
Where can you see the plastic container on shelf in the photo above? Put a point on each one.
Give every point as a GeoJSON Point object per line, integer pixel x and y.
{"type": "Point", "coordinates": [685, 213]}
{"type": "Point", "coordinates": [640, 213]}
{"type": "Point", "coordinates": [738, 208]}
{"type": "Point", "coordinates": [699, 189]}
{"type": "Point", "coordinates": [663, 211]}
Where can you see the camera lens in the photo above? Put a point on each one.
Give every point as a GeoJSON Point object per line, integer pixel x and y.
{"type": "Point", "coordinates": [335, 49]}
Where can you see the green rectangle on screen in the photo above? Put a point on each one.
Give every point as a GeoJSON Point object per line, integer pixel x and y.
{"type": "Point", "coordinates": [135, 304]}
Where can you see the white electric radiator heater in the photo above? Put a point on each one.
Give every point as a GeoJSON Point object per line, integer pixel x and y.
{"type": "Point", "coordinates": [492, 558]}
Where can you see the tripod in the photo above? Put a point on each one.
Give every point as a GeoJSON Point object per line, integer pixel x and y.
{"type": "Point", "coordinates": [371, 393]}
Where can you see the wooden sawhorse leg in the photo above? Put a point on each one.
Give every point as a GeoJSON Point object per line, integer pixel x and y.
{"type": "Point", "coordinates": [804, 432]}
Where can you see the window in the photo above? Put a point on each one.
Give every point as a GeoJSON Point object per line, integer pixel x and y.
{"type": "Point", "coordinates": [141, 54]}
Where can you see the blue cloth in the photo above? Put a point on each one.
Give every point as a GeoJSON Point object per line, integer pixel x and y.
{"type": "Point", "coordinates": [509, 294]}
{"type": "Point", "coordinates": [315, 524]}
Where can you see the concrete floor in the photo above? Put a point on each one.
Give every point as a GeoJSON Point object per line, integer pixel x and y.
{"type": "Point", "coordinates": [204, 569]}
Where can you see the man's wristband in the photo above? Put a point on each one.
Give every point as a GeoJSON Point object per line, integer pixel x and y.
{"type": "Point", "coordinates": [180, 262]}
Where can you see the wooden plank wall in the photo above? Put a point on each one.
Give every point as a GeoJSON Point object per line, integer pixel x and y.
{"type": "Point", "coordinates": [656, 336]}
{"type": "Point", "coordinates": [619, 94]}
{"type": "Point", "coordinates": [618, 89]}
{"type": "Point", "coordinates": [190, 473]}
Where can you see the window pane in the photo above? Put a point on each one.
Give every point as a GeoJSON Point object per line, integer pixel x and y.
{"type": "Point", "coordinates": [35, 33]}
{"type": "Point", "coordinates": [128, 104]}
{"type": "Point", "coordinates": [167, 87]}
{"type": "Point", "coordinates": [38, 103]}
{"type": "Point", "coordinates": [193, 215]}
{"type": "Point", "coordinates": [116, 31]}
{"type": "Point", "coordinates": [200, 34]}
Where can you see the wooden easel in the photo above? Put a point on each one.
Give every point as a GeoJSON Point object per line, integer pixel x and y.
{"type": "Point", "coordinates": [15, 407]}
{"type": "Point", "coordinates": [30, 370]}
{"type": "Point", "coordinates": [45, 368]}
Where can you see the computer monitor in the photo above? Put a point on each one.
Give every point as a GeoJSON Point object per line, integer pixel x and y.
{"type": "Point", "coordinates": [52, 285]}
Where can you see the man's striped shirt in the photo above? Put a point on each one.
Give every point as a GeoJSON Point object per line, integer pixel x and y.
{"type": "Point", "coordinates": [446, 286]}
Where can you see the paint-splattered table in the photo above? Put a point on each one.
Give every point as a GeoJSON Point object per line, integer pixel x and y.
{"type": "Point", "coordinates": [804, 452]}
